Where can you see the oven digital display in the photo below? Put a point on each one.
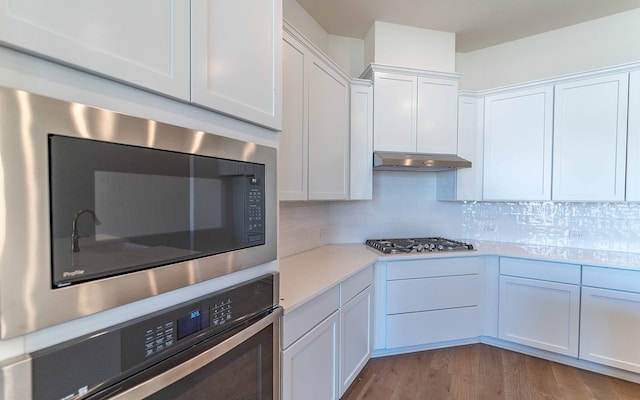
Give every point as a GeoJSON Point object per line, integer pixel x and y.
{"type": "Point", "coordinates": [193, 322]}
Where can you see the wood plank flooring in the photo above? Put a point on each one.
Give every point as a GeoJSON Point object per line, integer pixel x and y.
{"type": "Point", "coordinates": [482, 372]}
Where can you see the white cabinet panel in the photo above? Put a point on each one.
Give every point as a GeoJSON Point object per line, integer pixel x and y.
{"type": "Point", "coordinates": [303, 319]}
{"type": "Point", "coordinates": [540, 314]}
{"type": "Point", "coordinates": [415, 111]}
{"type": "Point", "coordinates": [144, 43]}
{"type": "Point", "coordinates": [590, 130]}
{"type": "Point", "coordinates": [328, 134]}
{"type": "Point", "coordinates": [361, 180]}
{"type": "Point", "coordinates": [425, 294]}
{"type": "Point", "coordinates": [541, 270]}
{"type": "Point", "coordinates": [313, 161]}
{"type": "Point", "coordinates": [236, 59]}
{"type": "Point", "coordinates": [293, 152]}
{"type": "Point", "coordinates": [355, 343]}
{"type": "Point", "coordinates": [419, 328]}
{"type": "Point", "coordinates": [633, 139]}
{"type": "Point", "coordinates": [310, 366]}
{"type": "Point", "coordinates": [518, 145]}
{"type": "Point", "coordinates": [610, 325]}
{"type": "Point", "coordinates": [437, 116]}
{"type": "Point", "coordinates": [466, 183]}
{"type": "Point", "coordinates": [395, 108]}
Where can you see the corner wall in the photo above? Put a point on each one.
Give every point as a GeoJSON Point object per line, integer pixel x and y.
{"type": "Point", "coordinates": [599, 43]}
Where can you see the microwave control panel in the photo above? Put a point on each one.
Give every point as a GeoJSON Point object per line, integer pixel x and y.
{"type": "Point", "coordinates": [255, 212]}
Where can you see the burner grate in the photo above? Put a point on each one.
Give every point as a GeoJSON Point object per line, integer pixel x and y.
{"type": "Point", "coordinates": [392, 246]}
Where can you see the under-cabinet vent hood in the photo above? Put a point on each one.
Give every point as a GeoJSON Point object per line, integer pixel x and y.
{"type": "Point", "coordinates": [386, 161]}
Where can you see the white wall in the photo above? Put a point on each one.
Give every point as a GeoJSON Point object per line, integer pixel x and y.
{"type": "Point", "coordinates": [603, 42]}
{"type": "Point", "coordinates": [309, 27]}
{"type": "Point", "coordinates": [347, 53]}
{"type": "Point", "coordinates": [412, 47]}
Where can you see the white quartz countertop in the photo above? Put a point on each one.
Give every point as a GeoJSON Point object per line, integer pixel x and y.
{"type": "Point", "coordinates": [306, 275]}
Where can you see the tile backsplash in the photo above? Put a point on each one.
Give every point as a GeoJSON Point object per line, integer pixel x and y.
{"type": "Point", "coordinates": [602, 226]}
{"type": "Point", "coordinates": [404, 205]}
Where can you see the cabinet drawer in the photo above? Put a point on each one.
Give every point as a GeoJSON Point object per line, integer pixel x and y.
{"type": "Point", "coordinates": [611, 278]}
{"type": "Point", "coordinates": [303, 319]}
{"type": "Point", "coordinates": [425, 294]}
{"type": "Point", "coordinates": [542, 270]}
{"type": "Point", "coordinates": [356, 284]}
{"type": "Point", "coordinates": [431, 326]}
{"type": "Point", "coordinates": [432, 268]}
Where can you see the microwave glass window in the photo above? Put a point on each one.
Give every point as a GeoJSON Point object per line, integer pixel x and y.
{"type": "Point", "coordinates": [119, 208]}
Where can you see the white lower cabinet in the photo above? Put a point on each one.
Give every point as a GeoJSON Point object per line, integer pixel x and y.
{"type": "Point", "coordinates": [355, 327]}
{"type": "Point", "coordinates": [430, 301]}
{"type": "Point", "coordinates": [309, 366]}
{"type": "Point", "coordinates": [327, 341]}
{"type": "Point", "coordinates": [610, 318]}
{"type": "Point", "coordinates": [540, 304]}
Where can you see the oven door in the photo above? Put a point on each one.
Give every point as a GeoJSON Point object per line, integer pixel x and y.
{"type": "Point", "coordinates": [243, 365]}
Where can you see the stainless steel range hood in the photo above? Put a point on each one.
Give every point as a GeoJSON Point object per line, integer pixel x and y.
{"type": "Point", "coordinates": [387, 161]}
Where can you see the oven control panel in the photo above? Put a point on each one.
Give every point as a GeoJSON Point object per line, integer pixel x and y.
{"type": "Point", "coordinates": [129, 347]}
{"type": "Point", "coordinates": [205, 317]}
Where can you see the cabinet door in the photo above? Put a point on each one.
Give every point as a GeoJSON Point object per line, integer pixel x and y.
{"type": "Point", "coordinates": [144, 43]}
{"type": "Point", "coordinates": [309, 366]}
{"type": "Point", "coordinates": [294, 146]}
{"type": "Point", "coordinates": [328, 133]}
{"type": "Point", "coordinates": [633, 139]}
{"type": "Point", "coordinates": [517, 145]}
{"type": "Point", "coordinates": [539, 314]}
{"type": "Point", "coordinates": [236, 58]}
{"type": "Point", "coordinates": [437, 116]}
{"type": "Point", "coordinates": [395, 107]}
{"type": "Point", "coordinates": [610, 325]}
{"type": "Point", "coordinates": [355, 326]}
{"type": "Point", "coordinates": [466, 183]}
{"type": "Point", "coordinates": [590, 131]}
{"type": "Point", "coordinates": [361, 181]}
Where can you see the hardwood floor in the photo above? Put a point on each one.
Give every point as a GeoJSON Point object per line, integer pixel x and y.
{"type": "Point", "coordinates": [482, 372]}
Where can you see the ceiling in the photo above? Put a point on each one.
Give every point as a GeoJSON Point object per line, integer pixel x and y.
{"type": "Point", "coordinates": [477, 23]}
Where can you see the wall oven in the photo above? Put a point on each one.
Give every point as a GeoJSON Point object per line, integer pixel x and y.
{"type": "Point", "coordinates": [221, 346]}
{"type": "Point", "coordinates": [99, 209]}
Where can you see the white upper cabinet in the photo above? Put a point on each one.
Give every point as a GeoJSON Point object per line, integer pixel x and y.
{"type": "Point", "coordinates": [361, 181]}
{"type": "Point", "coordinates": [313, 159]}
{"type": "Point", "coordinates": [143, 43]}
{"type": "Point", "coordinates": [590, 132]}
{"type": "Point", "coordinates": [236, 58]}
{"type": "Point", "coordinates": [633, 139]}
{"type": "Point", "coordinates": [466, 184]}
{"type": "Point", "coordinates": [518, 145]}
{"type": "Point", "coordinates": [437, 126]}
{"type": "Point", "coordinates": [328, 133]}
{"type": "Point", "coordinates": [415, 111]}
{"type": "Point", "coordinates": [395, 109]}
{"type": "Point", "coordinates": [294, 139]}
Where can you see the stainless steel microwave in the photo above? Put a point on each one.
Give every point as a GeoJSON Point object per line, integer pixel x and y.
{"type": "Point", "coordinates": [100, 209]}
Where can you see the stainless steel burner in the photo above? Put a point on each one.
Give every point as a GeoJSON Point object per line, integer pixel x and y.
{"type": "Point", "coordinates": [392, 246]}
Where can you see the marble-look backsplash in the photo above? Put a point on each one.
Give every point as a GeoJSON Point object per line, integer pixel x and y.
{"type": "Point", "coordinates": [601, 226]}
{"type": "Point", "coordinates": [405, 205]}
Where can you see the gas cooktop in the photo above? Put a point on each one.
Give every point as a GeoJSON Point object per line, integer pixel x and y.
{"type": "Point", "coordinates": [393, 246]}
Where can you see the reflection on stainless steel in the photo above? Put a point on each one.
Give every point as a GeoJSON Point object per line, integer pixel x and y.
{"type": "Point", "coordinates": [75, 236]}
{"type": "Point", "coordinates": [27, 300]}
{"type": "Point", "coordinates": [15, 378]}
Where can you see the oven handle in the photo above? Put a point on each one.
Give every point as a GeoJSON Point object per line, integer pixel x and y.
{"type": "Point", "coordinates": [178, 372]}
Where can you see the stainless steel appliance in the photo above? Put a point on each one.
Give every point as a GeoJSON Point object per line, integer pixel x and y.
{"type": "Point", "coordinates": [99, 209]}
{"type": "Point", "coordinates": [221, 346]}
{"type": "Point", "coordinates": [416, 245]}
